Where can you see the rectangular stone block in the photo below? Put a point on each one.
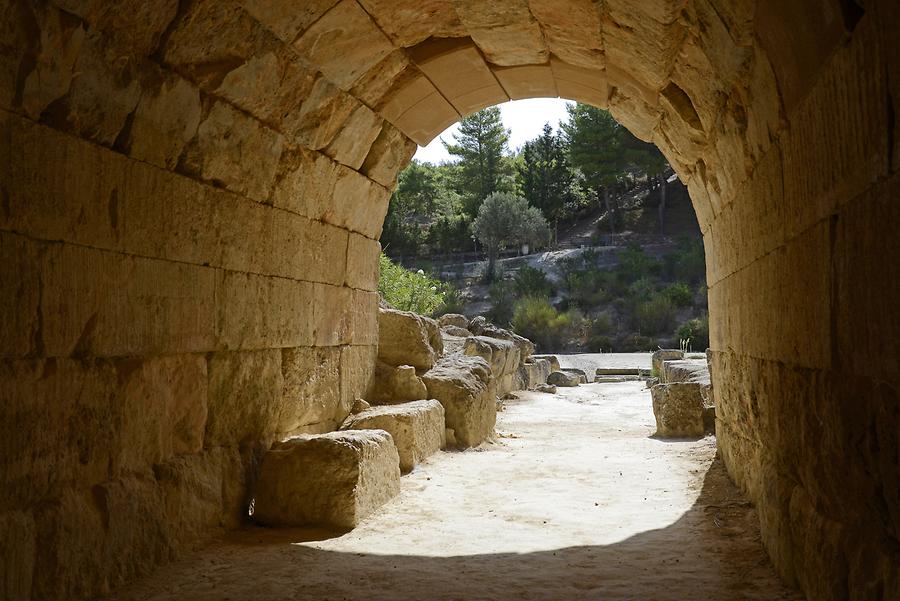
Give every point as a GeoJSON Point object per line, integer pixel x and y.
{"type": "Point", "coordinates": [20, 292]}
{"type": "Point", "coordinates": [678, 409]}
{"type": "Point", "coordinates": [312, 387]}
{"type": "Point", "coordinates": [572, 30]}
{"type": "Point", "coordinates": [362, 263]}
{"type": "Point", "coordinates": [245, 403]}
{"type": "Point", "coordinates": [305, 182]}
{"type": "Point", "coordinates": [465, 388]}
{"type": "Point", "coordinates": [17, 550]}
{"type": "Point", "coordinates": [417, 109]}
{"type": "Point", "coordinates": [358, 204]}
{"type": "Point", "coordinates": [357, 369]}
{"type": "Point", "coordinates": [336, 479]}
{"type": "Point", "coordinates": [390, 153]}
{"type": "Point", "coordinates": [351, 145]}
{"type": "Point", "coordinates": [527, 81]}
{"type": "Point", "coordinates": [416, 427]}
{"type": "Point", "coordinates": [106, 304]}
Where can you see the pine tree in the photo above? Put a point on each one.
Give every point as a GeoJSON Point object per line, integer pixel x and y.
{"type": "Point", "coordinates": [480, 145]}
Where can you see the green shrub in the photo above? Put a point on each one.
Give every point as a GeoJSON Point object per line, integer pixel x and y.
{"type": "Point", "coordinates": [530, 281]}
{"type": "Point", "coordinates": [408, 290]}
{"type": "Point", "coordinates": [536, 319]}
{"type": "Point", "coordinates": [587, 287]}
{"type": "Point", "coordinates": [688, 262]}
{"type": "Point", "coordinates": [635, 343]}
{"type": "Point", "coordinates": [696, 332]}
{"type": "Point", "coordinates": [680, 294]}
{"type": "Point", "coordinates": [654, 316]}
{"type": "Point", "coordinates": [641, 290]}
{"type": "Point", "coordinates": [453, 301]}
{"type": "Point", "coordinates": [635, 264]}
{"type": "Point", "coordinates": [502, 295]}
{"type": "Point", "coordinates": [598, 334]}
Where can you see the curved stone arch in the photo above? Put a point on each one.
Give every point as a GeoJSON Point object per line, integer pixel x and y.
{"type": "Point", "coordinates": [170, 168]}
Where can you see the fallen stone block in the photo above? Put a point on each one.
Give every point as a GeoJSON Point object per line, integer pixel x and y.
{"type": "Point", "coordinates": [334, 479]}
{"type": "Point", "coordinates": [582, 376]}
{"type": "Point", "coordinates": [678, 408]}
{"type": "Point", "coordinates": [453, 319]}
{"type": "Point", "coordinates": [561, 378]}
{"type": "Point", "coordinates": [501, 355]}
{"type": "Point", "coordinates": [535, 373]}
{"type": "Point", "coordinates": [686, 370]}
{"type": "Point", "coordinates": [465, 388]}
{"type": "Point", "coordinates": [547, 388]}
{"type": "Point", "coordinates": [663, 355]}
{"type": "Point", "coordinates": [554, 361]}
{"type": "Point", "coordinates": [620, 371]}
{"type": "Point", "coordinates": [455, 331]}
{"type": "Point", "coordinates": [405, 338]}
{"type": "Point", "coordinates": [417, 428]}
{"type": "Point", "coordinates": [396, 385]}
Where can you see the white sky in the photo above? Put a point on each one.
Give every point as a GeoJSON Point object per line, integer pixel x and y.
{"type": "Point", "coordinates": [525, 118]}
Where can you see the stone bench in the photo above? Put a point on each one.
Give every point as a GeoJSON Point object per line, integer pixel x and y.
{"type": "Point", "coordinates": [417, 428]}
{"type": "Point", "coordinates": [334, 479]}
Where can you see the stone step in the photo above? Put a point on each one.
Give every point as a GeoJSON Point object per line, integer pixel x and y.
{"type": "Point", "coordinates": [417, 428]}
{"type": "Point", "coordinates": [335, 479]}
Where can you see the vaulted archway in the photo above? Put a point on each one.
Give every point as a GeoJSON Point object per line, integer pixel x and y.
{"type": "Point", "coordinates": [192, 194]}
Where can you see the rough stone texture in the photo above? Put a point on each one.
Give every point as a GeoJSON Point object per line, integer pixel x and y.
{"type": "Point", "coordinates": [582, 376]}
{"type": "Point", "coordinates": [396, 384]}
{"type": "Point", "coordinates": [455, 331]}
{"type": "Point", "coordinates": [554, 362]}
{"type": "Point", "coordinates": [464, 386]}
{"type": "Point", "coordinates": [562, 378]}
{"type": "Point", "coordinates": [334, 479]}
{"type": "Point", "coordinates": [417, 428]}
{"type": "Point", "coordinates": [536, 372]}
{"type": "Point", "coordinates": [678, 409]}
{"type": "Point", "coordinates": [546, 388]}
{"type": "Point", "coordinates": [405, 339]}
{"type": "Point", "coordinates": [453, 319]}
{"type": "Point", "coordinates": [663, 355]}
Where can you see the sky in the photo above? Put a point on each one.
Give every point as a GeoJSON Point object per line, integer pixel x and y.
{"type": "Point", "coordinates": [525, 119]}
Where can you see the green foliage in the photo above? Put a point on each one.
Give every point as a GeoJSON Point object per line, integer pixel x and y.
{"type": "Point", "coordinates": [545, 177]}
{"type": "Point", "coordinates": [680, 294]}
{"type": "Point", "coordinates": [654, 316]}
{"type": "Point", "coordinates": [695, 331]}
{"type": "Point", "coordinates": [587, 287]}
{"type": "Point", "coordinates": [502, 295]}
{"type": "Point", "coordinates": [408, 290]}
{"type": "Point", "coordinates": [688, 262]}
{"type": "Point", "coordinates": [480, 145]}
{"type": "Point", "coordinates": [536, 319]}
{"type": "Point", "coordinates": [453, 301]}
{"type": "Point", "coordinates": [503, 220]}
{"type": "Point", "coordinates": [634, 264]}
{"type": "Point", "coordinates": [635, 343]}
{"type": "Point", "coordinates": [530, 281]}
{"type": "Point", "coordinates": [599, 333]}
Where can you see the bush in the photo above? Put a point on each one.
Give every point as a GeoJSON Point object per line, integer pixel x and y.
{"type": "Point", "coordinates": [536, 319]}
{"type": "Point", "coordinates": [452, 303]}
{"type": "Point", "coordinates": [654, 316]}
{"type": "Point", "coordinates": [688, 262]}
{"type": "Point", "coordinates": [635, 343]}
{"type": "Point", "coordinates": [598, 339]}
{"type": "Point", "coordinates": [696, 332]}
{"type": "Point", "coordinates": [530, 281]}
{"type": "Point", "coordinates": [635, 264]}
{"type": "Point", "coordinates": [502, 297]}
{"type": "Point", "coordinates": [408, 290]}
{"type": "Point", "coordinates": [680, 294]}
{"type": "Point", "coordinates": [641, 290]}
{"type": "Point", "coordinates": [587, 287]}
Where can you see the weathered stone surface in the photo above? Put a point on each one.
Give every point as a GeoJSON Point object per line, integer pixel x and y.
{"type": "Point", "coordinates": [688, 370]}
{"type": "Point", "coordinates": [311, 393]}
{"type": "Point", "coordinates": [561, 378]}
{"type": "Point", "coordinates": [582, 376]}
{"type": "Point", "coordinates": [335, 479]}
{"type": "Point", "coordinates": [17, 550]}
{"type": "Point", "coordinates": [287, 19]}
{"type": "Point", "coordinates": [166, 118]}
{"type": "Point", "coordinates": [501, 355]}
{"type": "Point", "coordinates": [536, 372]}
{"type": "Point", "coordinates": [357, 370]}
{"type": "Point", "coordinates": [464, 386]}
{"type": "Point", "coordinates": [417, 428]}
{"type": "Point", "coordinates": [663, 355]}
{"type": "Point", "coordinates": [554, 361]}
{"type": "Point", "coordinates": [455, 331]}
{"type": "Point", "coordinates": [546, 388]}
{"type": "Point", "coordinates": [390, 152]}
{"type": "Point", "coordinates": [453, 319]}
{"type": "Point", "coordinates": [351, 146]}
{"type": "Point", "coordinates": [396, 384]}
{"type": "Point", "coordinates": [236, 151]}
{"type": "Point", "coordinates": [404, 339]}
{"type": "Point", "coordinates": [408, 22]}
{"type": "Point", "coordinates": [678, 409]}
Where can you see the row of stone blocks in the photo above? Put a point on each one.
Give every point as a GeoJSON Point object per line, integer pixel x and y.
{"type": "Point", "coordinates": [683, 402]}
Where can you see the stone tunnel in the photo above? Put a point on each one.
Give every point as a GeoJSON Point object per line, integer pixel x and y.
{"type": "Point", "coordinates": [192, 194]}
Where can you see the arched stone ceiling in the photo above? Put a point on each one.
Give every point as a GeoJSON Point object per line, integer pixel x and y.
{"type": "Point", "coordinates": [692, 76]}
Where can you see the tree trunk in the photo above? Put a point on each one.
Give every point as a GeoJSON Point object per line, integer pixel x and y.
{"type": "Point", "coordinates": [662, 204]}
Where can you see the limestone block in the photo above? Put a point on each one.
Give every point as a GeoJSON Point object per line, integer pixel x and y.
{"type": "Point", "coordinates": [166, 118]}
{"type": "Point", "coordinates": [527, 81]}
{"type": "Point", "coordinates": [335, 479]}
{"type": "Point", "coordinates": [301, 249]}
{"type": "Point", "coordinates": [380, 79]}
{"type": "Point", "coordinates": [132, 26]}
{"type": "Point", "coordinates": [362, 262]}
{"type": "Point", "coordinates": [455, 331]}
{"type": "Point", "coordinates": [358, 204]}
{"type": "Point", "coordinates": [17, 550]}
{"type": "Point", "coordinates": [554, 361]}
{"type": "Point", "coordinates": [442, 60]}
{"type": "Point", "coordinates": [288, 321]}
{"type": "Point", "coordinates": [98, 303]}
{"type": "Point", "coordinates": [357, 369]}
{"type": "Point", "coordinates": [364, 313]}
{"type": "Point", "coordinates": [236, 151]}
{"type": "Point", "coordinates": [58, 43]}
{"type": "Point", "coordinates": [333, 315]}
{"type": "Point", "coordinates": [352, 144]}
{"type": "Point", "coordinates": [678, 409]}
{"type": "Point", "coordinates": [453, 319]}
{"type": "Point", "coordinates": [404, 339]}
{"type": "Point", "coordinates": [546, 388]}
{"type": "Point", "coordinates": [163, 406]}
{"type": "Point", "coordinates": [417, 108]}
{"type": "Point", "coordinates": [305, 182]}
{"type": "Point", "coordinates": [536, 372]}
{"type": "Point", "coordinates": [245, 397]}
{"type": "Point", "coordinates": [501, 355]}
{"type": "Point", "coordinates": [359, 405]}
{"type": "Point", "coordinates": [662, 355]}
{"type": "Point", "coordinates": [583, 84]}
{"type": "Point", "coordinates": [582, 375]}
{"type": "Point", "coordinates": [396, 384]}
{"type": "Point", "coordinates": [561, 378]}
{"type": "Point", "coordinates": [416, 427]}
{"type": "Point", "coordinates": [19, 295]}
{"type": "Point", "coordinates": [572, 30]}
{"type": "Point", "coordinates": [287, 18]}
{"type": "Point", "coordinates": [464, 386]}
{"type": "Point", "coordinates": [202, 493]}
{"type": "Point", "coordinates": [505, 31]}
{"type": "Point", "coordinates": [687, 370]}
{"type": "Point", "coordinates": [321, 116]}
{"type": "Point", "coordinates": [344, 43]}
{"type": "Point", "coordinates": [408, 22]}
{"type": "Point", "coordinates": [390, 153]}
{"type": "Point", "coordinates": [312, 387]}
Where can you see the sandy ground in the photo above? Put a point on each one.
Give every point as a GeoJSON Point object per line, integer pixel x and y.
{"type": "Point", "coordinates": [574, 500]}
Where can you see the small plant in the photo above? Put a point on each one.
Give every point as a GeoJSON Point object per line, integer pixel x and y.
{"type": "Point", "coordinates": [408, 290]}
{"type": "Point", "coordinates": [696, 331]}
{"type": "Point", "coordinates": [680, 294]}
{"type": "Point", "coordinates": [654, 316]}
{"type": "Point", "coordinates": [537, 320]}
{"type": "Point", "coordinates": [530, 281]}
{"type": "Point", "coordinates": [503, 297]}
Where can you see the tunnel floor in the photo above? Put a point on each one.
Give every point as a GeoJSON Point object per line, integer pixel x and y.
{"type": "Point", "coordinates": [574, 500]}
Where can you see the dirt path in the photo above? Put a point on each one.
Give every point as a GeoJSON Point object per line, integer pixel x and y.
{"type": "Point", "coordinates": [572, 501]}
